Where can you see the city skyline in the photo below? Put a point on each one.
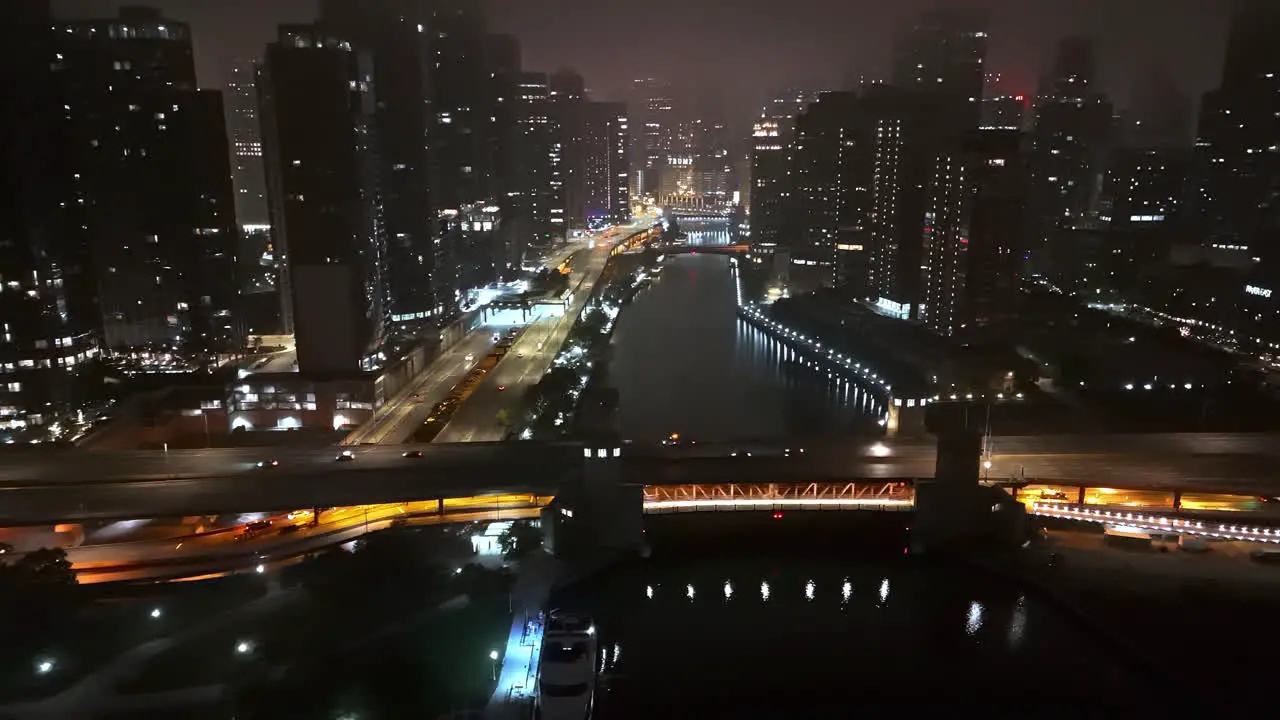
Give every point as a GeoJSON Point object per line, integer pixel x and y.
{"type": "Point", "coordinates": [752, 52]}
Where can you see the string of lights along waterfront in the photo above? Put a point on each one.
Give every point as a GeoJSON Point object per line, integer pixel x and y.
{"type": "Point", "coordinates": [684, 363]}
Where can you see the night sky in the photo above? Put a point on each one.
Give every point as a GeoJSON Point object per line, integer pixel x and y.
{"type": "Point", "coordinates": [743, 50]}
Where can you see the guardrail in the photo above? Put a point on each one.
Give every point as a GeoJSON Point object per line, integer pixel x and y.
{"type": "Point", "coordinates": [1159, 523]}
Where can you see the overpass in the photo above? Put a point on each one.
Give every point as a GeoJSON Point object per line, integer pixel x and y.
{"type": "Point", "coordinates": [41, 486]}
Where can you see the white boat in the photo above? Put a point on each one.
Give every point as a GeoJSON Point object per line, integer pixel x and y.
{"type": "Point", "coordinates": [567, 668]}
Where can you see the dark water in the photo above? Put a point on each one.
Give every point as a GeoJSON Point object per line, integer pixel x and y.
{"type": "Point", "coordinates": [814, 634]}
{"type": "Point", "coordinates": [684, 363]}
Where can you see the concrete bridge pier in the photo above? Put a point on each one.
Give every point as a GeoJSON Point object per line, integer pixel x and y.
{"type": "Point", "coordinates": [905, 421]}
{"type": "Point", "coordinates": [595, 515]}
{"type": "Point", "coordinates": [953, 510]}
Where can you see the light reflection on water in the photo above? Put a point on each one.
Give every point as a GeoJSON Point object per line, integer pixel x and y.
{"type": "Point", "coordinates": [945, 631]}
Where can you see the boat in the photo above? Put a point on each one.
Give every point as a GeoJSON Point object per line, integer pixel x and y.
{"type": "Point", "coordinates": [567, 668]}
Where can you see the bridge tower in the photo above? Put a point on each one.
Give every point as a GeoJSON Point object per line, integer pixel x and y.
{"type": "Point", "coordinates": [595, 515]}
{"type": "Point", "coordinates": [954, 510]}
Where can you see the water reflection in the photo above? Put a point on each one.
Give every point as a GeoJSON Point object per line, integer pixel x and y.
{"type": "Point", "coordinates": [1018, 622]}
{"type": "Point", "coordinates": [973, 621]}
{"type": "Point", "coordinates": [805, 646]}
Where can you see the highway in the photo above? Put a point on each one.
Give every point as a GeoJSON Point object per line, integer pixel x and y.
{"type": "Point", "coordinates": [39, 485]}
{"type": "Point", "coordinates": [172, 560]}
{"type": "Point", "coordinates": [476, 420]}
{"type": "Point", "coordinates": [397, 419]}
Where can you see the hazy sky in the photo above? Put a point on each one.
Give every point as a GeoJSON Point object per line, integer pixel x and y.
{"type": "Point", "coordinates": [745, 49]}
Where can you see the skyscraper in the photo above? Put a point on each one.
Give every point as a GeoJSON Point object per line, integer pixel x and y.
{"type": "Point", "coordinates": [568, 97]}
{"type": "Point", "coordinates": [1238, 173]}
{"type": "Point", "coordinates": [397, 47]}
{"type": "Point", "coordinates": [148, 154]}
{"type": "Point", "coordinates": [318, 109]}
{"type": "Point", "coordinates": [1070, 139]}
{"type": "Point", "coordinates": [771, 138]}
{"type": "Point", "coordinates": [542, 209]}
{"type": "Point", "coordinates": [830, 198]}
{"type": "Point", "coordinates": [975, 218]}
{"type": "Point", "coordinates": [606, 151]}
{"type": "Point", "coordinates": [49, 322]}
{"type": "Point", "coordinates": [942, 54]}
{"type": "Point", "coordinates": [906, 130]}
{"type": "Point", "coordinates": [247, 174]}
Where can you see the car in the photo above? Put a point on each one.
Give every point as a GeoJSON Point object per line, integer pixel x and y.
{"type": "Point", "coordinates": [470, 357]}
{"type": "Point", "coordinates": [412, 454]}
{"type": "Point", "coordinates": [501, 388]}
{"type": "Point", "coordinates": [345, 456]}
{"type": "Point", "coordinates": [520, 354]}
{"type": "Point", "coordinates": [267, 464]}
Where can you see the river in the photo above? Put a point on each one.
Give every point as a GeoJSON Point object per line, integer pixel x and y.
{"type": "Point", "coordinates": [683, 362]}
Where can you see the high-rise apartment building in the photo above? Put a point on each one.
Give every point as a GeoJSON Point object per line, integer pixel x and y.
{"type": "Point", "coordinates": [568, 97]}
{"type": "Point", "coordinates": [1238, 171]}
{"type": "Point", "coordinates": [1070, 140]}
{"type": "Point", "coordinates": [974, 220]}
{"type": "Point", "coordinates": [606, 153]}
{"type": "Point", "coordinates": [49, 321]}
{"type": "Point", "coordinates": [541, 219]}
{"type": "Point", "coordinates": [942, 54]}
{"type": "Point", "coordinates": [770, 159]}
{"type": "Point", "coordinates": [830, 199]}
{"type": "Point", "coordinates": [1141, 209]}
{"type": "Point", "coordinates": [319, 137]}
{"type": "Point", "coordinates": [247, 174]}
{"type": "Point", "coordinates": [148, 156]}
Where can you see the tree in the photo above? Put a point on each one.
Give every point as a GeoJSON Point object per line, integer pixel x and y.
{"type": "Point", "coordinates": [504, 417]}
{"type": "Point", "coordinates": [520, 539]}
{"type": "Point", "coordinates": [46, 567]}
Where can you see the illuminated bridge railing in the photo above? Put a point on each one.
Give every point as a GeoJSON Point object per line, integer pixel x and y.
{"type": "Point", "coordinates": [1158, 523]}
{"type": "Point", "coordinates": [889, 497]}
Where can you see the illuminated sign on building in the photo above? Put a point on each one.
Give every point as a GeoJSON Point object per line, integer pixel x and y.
{"type": "Point", "coordinates": [1259, 291]}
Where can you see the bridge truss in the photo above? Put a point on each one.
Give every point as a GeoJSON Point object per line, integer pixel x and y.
{"type": "Point", "coordinates": [893, 496]}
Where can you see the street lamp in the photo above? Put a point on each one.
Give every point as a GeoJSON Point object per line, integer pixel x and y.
{"type": "Point", "coordinates": [44, 666]}
{"type": "Point", "coordinates": [493, 657]}
{"type": "Point", "coordinates": [244, 647]}
{"type": "Point", "coordinates": [155, 613]}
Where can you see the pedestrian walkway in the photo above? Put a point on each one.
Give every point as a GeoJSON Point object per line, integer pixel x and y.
{"type": "Point", "coordinates": [518, 677]}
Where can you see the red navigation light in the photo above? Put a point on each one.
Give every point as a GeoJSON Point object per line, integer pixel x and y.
{"type": "Point", "coordinates": [777, 516]}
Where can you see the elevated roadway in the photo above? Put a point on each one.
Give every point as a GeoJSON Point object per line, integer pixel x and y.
{"type": "Point", "coordinates": [40, 486]}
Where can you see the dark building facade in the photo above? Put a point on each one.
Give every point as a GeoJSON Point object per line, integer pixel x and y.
{"type": "Point", "coordinates": [942, 54]}
{"type": "Point", "coordinates": [150, 161]}
{"type": "Point", "coordinates": [1070, 140]}
{"type": "Point", "coordinates": [247, 176]}
{"type": "Point", "coordinates": [830, 201]}
{"type": "Point", "coordinates": [606, 162]}
{"type": "Point", "coordinates": [318, 109]}
{"type": "Point", "coordinates": [976, 218]}
{"type": "Point", "coordinates": [49, 323]}
{"type": "Point", "coordinates": [397, 47]}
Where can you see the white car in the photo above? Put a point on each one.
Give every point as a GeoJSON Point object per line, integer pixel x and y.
{"type": "Point", "coordinates": [470, 357]}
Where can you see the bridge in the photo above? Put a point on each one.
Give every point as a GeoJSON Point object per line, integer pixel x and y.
{"type": "Point", "coordinates": [740, 249]}
{"type": "Point", "coordinates": [43, 486]}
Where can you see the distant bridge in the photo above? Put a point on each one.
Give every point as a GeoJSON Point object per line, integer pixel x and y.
{"type": "Point", "coordinates": [709, 249]}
